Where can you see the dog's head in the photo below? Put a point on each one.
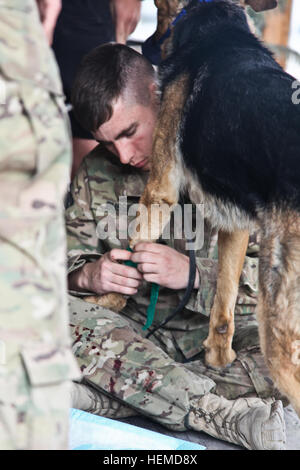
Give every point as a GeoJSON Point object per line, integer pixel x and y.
{"type": "Point", "coordinates": [167, 11]}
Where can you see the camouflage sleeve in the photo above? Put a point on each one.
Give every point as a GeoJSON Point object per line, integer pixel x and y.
{"type": "Point", "coordinates": [202, 299]}
{"type": "Point", "coordinates": [83, 243]}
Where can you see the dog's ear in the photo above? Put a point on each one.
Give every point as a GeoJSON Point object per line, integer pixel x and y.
{"type": "Point", "coordinates": [261, 5]}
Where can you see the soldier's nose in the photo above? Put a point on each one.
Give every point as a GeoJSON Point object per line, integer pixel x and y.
{"type": "Point", "coordinates": [126, 155]}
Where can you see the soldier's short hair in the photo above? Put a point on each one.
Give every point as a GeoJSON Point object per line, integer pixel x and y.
{"type": "Point", "coordinates": [103, 76]}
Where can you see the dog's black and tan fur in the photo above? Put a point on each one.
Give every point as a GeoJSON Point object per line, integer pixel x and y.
{"type": "Point", "coordinates": [229, 133]}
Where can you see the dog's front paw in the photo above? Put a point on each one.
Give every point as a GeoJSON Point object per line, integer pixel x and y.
{"type": "Point", "coordinates": [217, 356]}
{"type": "Point", "coordinates": [113, 301]}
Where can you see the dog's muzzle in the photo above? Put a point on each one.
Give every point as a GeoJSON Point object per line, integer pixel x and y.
{"type": "Point", "coordinates": [151, 48]}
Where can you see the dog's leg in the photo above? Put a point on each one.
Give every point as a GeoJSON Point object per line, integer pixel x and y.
{"type": "Point", "coordinates": [113, 301]}
{"type": "Point", "coordinates": [232, 249]}
{"type": "Point", "coordinates": [279, 301]}
{"type": "Point", "coordinates": [162, 189]}
{"type": "Point", "coordinates": [166, 12]}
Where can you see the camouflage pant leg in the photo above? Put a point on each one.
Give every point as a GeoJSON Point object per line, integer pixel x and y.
{"type": "Point", "coordinates": [118, 361]}
{"type": "Point", "coordinates": [32, 417]}
{"type": "Point", "coordinates": [248, 375]}
{"type": "Point", "coordinates": [36, 364]}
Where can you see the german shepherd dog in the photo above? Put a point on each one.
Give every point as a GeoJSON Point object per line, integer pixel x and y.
{"type": "Point", "coordinates": [228, 132]}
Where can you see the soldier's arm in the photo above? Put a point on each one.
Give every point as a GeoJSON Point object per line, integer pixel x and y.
{"type": "Point", "coordinates": [126, 14]}
{"type": "Point", "coordinates": [82, 242]}
{"type": "Point", "coordinates": [92, 267]}
{"type": "Point", "coordinates": [163, 265]}
{"type": "Point", "coordinates": [49, 12]}
{"type": "Point", "coordinates": [168, 267]}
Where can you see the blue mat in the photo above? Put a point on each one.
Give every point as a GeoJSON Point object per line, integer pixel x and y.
{"type": "Point", "coordinates": [91, 432]}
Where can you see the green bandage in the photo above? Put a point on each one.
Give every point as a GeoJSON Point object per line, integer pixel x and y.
{"type": "Point", "coordinates": [153, 297]}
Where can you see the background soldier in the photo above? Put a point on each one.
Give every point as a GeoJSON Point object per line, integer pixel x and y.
{"type": "Point", "coordinates": [36, 363]}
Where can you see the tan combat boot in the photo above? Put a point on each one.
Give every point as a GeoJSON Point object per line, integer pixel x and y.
{"type": "Point", "coordinates": [93, 401]}
{"type": "Point", "coordinates": [250, 422]}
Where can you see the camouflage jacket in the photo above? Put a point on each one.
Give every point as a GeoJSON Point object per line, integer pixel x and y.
{"type": "Point", "coordinates": [103, 179]}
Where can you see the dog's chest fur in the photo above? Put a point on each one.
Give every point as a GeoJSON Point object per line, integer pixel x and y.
{"type": "Point", "coordinates": [222, 215]}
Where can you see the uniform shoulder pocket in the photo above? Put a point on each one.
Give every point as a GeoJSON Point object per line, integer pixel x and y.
{"type": "Point", "coordinates": [49, 364]}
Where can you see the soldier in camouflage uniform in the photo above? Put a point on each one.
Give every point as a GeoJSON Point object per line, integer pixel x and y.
{"type": "Point", "coordinates": [164, 378]}
{"type": "Point", "coordinates": [36, 363]}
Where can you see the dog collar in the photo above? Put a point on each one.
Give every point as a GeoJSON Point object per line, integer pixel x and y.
{"type": "Point", "coordinates": [151, 48]}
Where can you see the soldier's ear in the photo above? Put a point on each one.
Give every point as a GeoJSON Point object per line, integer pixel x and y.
{"type": "Point", "coordinates": [153, 89]}
{"type": "Point", "coordinates": [262, 5]}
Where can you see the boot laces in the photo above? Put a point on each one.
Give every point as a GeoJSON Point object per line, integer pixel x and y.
{"type": "Point", "coordinates": [229, 427]}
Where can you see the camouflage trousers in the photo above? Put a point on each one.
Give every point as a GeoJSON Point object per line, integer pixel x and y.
{"type": "Point", "coordinates": [36, 364]}
{"type": "Point", "coordinates": [141, 376]}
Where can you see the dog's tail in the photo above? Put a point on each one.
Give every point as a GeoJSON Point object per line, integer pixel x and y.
{"type": "Point", "coordinates": [279, 303]}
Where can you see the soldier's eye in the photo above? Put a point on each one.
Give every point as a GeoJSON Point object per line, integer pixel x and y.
{"type": "Point", "coordinates": [130, 132]}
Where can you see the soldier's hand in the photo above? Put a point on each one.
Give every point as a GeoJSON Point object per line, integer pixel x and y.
{"type": "Point", "coordinates": [49, 12]}
{"type": "Point", "coordinates": [163, 265]}
{"type": "Point", "coordinates": [107, 275]}
{"type": "Point", "coordinates": [126, 15]}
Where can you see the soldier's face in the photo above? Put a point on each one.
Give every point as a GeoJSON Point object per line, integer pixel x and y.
{"type": "Point", "coordinates": [128, 134]}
